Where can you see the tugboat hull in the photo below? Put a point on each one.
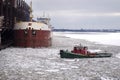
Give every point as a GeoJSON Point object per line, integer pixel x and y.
{"type": "Point", "coordinates": [66, 54]}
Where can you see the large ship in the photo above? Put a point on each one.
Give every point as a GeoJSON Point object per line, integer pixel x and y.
{"type": "Point", "coordinates": [33, 33]}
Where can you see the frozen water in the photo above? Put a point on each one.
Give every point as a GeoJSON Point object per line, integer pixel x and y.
{"type": "Point", "coordinates": [103, 38]}
{"type": "Point", "coordinates": [46, 64]}
{"type": "Point", "coordinates": [118, 55]}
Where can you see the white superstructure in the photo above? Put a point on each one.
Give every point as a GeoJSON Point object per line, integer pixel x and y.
{"type": "Point", "coordinates": [32, 25]}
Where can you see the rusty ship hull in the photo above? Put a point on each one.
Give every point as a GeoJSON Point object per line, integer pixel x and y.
{"type": "Point", "coordinates": [32, 34]}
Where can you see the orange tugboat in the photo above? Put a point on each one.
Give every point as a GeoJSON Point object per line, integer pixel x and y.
{"type": "Point", "coordinates": [82, 52]}
{"type": "Point", "coordinates": [33, 34]}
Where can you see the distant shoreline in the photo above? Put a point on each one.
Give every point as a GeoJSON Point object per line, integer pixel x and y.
{"type": "Point", "coordinates": [86, 30]}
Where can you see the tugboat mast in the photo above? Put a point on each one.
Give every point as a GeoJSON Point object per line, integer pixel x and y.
{"type": "Point", "coordinates": [31, 15]}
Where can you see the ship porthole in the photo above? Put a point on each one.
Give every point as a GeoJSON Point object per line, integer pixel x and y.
{"type": "Point", "coordinates": [33, 32]}
{"type": "Point", "coordinates": [25, 32]}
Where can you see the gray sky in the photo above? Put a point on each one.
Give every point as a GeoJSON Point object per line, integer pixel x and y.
{"type": "Point", "coordinates": [77, 14]}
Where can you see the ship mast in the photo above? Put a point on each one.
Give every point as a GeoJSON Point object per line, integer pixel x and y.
{"type": "Point", "coordinates": [31, 15]}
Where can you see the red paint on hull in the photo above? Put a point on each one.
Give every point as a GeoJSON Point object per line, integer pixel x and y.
{"type": "Point", "coordinates": [32, 38]}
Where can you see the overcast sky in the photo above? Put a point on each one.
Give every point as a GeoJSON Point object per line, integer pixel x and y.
{"type": "Point", "coordinates": [77, 14]}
